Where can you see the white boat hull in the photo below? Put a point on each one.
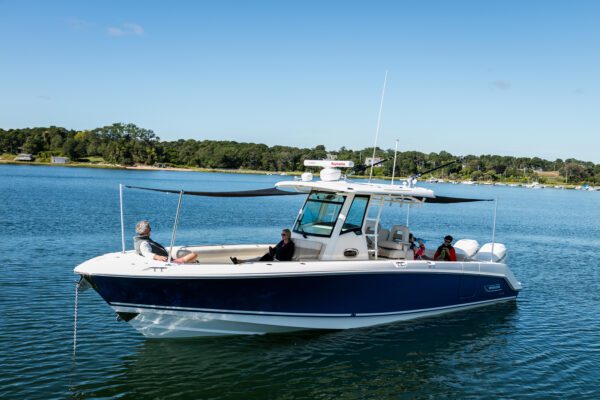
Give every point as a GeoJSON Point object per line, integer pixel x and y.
{"type": "Point", "coordinates": [174, 323]}
{"type": "Point", "coordinates": [171, 301]}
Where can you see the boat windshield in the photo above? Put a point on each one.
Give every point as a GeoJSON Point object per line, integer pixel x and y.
{"type": "Point", "coordinates": [356, 215]}
{"type": "Point", "coordinates": [319, 214]}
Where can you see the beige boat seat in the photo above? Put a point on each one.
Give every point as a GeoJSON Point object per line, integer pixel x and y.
{"type": "Point", "coordinates": [397, 238]}
{"type": "Point", "coordinates": [397, 245]}
{"type": "Point", "coordinates": [370, 227]}
{"type": "Point", "coordinates": [383, 235]}
{"type": "Point", "coordinates": [306, 249]}
{"type": "Point", "coordinates": [399, 233]}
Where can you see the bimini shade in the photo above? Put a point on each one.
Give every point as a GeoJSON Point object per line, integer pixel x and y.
{"type": "Point", "coordinates": [242, 193]}
{"type": "Point", "coordinates": [449, 200]}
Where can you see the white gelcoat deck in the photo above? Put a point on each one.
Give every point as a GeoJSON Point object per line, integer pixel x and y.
{"type": "Point", "coordinates": [130, 264]}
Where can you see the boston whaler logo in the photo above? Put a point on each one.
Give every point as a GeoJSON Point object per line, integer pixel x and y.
{"type": "Point", "coordinates": [492, 288]}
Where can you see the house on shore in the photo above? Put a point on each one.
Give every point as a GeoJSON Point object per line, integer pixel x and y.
{"type": "Point", "coordinates": [59, 160]}
{"type": "Point", "coordinates": [24, 157]}
{"type": "Point", "coordinates": [373, 160]}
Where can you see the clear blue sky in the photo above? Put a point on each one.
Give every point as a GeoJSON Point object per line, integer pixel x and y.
{"type": "Point", "coordinates": [515, 77]}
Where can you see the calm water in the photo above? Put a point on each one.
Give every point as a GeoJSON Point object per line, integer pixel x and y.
{"type": "Point", "coordinates": [546, 345]}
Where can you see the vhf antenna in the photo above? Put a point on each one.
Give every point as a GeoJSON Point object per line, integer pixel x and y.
{"type": "Point", "coordinates": [378, 124]}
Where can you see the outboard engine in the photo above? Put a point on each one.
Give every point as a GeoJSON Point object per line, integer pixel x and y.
{"type": "Point", "coordinates": [485, 253]}
{"type": "Point", "coordinates": [466, 249]}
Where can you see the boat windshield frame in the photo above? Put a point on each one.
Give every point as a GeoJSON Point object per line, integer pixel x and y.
{"type": "Point", "coordinates": [319, 212]}
{"type": "Point", "coordinates": [347, 227]}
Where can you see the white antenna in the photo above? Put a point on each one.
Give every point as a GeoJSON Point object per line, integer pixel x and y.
{"type": "Point", "coordinates": [394, 167]}
{"type": "Point", "coordinates": [378, 124]}
{"type": "Point", "coordinates": [175, 227]}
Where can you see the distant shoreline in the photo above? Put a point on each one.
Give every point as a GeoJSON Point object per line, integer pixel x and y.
{"type": "Point", "coordinates": [148, 168]}
{"type": "Point", "coordinates": [242, 171]}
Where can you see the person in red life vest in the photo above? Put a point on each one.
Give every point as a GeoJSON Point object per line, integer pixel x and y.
{"type": "Point", "coordinates": [445, 252]}
{"type": "Point", "coordinates": [413, 246]}
{"type": "Point", "coordinates": [420, 250]}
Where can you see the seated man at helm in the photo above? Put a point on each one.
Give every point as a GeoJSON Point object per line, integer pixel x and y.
{"type": "Point", "coordinates": [147, 247]}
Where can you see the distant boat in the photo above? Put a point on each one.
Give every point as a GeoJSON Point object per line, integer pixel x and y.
{"type": "Point", "coordinates": [432, 180]}
{"type": "Point", "coordinates": [24, 157]}
{"type": "Point", "coordinates": [534, 185]}
{"type": "Point", "coordinates": [468, 183]}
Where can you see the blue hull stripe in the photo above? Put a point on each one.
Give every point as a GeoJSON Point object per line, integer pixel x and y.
{"type": "Point", "coordinates": [237, 312]}
{"type": "Point", "coordinates": [328, 295]}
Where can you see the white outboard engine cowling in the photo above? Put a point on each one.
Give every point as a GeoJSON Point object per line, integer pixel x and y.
{"type": "Point", "coordinates": [466, 249]}
{"type": "Point", "coordinates": [485, 253]}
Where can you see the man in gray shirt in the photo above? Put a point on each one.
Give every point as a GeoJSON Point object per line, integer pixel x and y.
{"type": "Point", "coordinates": [148, 248]}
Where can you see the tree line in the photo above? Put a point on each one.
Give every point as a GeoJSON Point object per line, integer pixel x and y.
{"type": "Point", "coordinates": [127, 144]}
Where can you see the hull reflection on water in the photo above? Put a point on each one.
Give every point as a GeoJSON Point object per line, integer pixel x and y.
{"type": "Point", "coordinates": [389, 360]}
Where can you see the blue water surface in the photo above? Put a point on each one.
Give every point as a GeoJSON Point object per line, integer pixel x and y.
{"type": "Point", "coordinates": [545, 345]}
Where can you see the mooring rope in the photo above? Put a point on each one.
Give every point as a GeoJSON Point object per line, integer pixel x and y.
{"type": "Point", "coordinates": [75, 321]}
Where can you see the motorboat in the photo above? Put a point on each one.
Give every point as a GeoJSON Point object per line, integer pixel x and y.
{"type": "Point", "coordinates": [348, 271]}
{"type": "Point", "coordinates": [534, 185]}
